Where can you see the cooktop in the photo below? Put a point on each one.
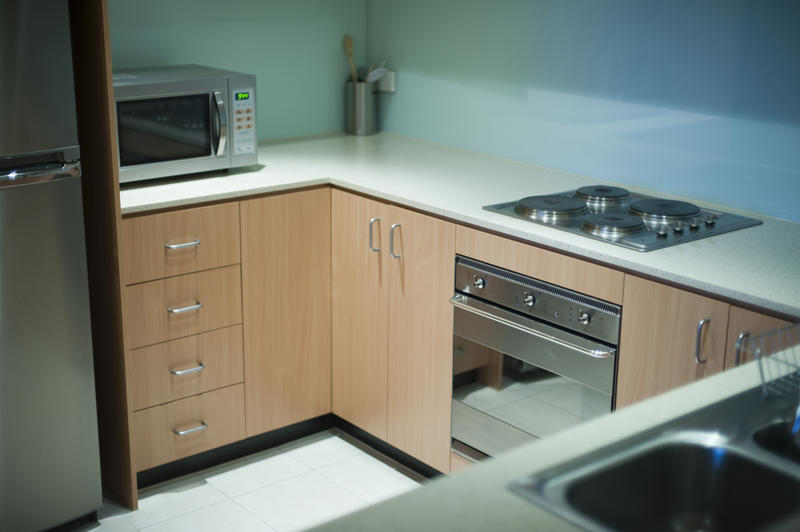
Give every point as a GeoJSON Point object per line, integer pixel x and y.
{"type": "Point", "coordinates": [615, 215]}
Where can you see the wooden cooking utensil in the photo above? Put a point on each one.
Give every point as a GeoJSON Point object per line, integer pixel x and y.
{"type": "Point", "coordinates": [348, 48]}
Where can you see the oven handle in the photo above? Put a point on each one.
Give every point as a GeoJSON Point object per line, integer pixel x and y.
{"type": "Point", "coordinates": [594, 353]}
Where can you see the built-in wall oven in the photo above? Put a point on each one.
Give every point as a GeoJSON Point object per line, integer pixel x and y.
{"type": "Point", "coordinates": [529, 358]}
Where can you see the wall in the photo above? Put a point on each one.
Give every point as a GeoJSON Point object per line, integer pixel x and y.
{"type": "Point", "coordinates": [294, 48]}
{"type": "Point", "coordinates": [696, 98]}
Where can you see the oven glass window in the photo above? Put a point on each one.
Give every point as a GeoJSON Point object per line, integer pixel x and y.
{"type": "Point", "coordinates": [518, 394]}
{"type": "Point", "coordinates": [164, 129]}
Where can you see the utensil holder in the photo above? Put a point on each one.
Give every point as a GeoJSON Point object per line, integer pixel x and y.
{"type": "Point", "coordinates": [361, 108]}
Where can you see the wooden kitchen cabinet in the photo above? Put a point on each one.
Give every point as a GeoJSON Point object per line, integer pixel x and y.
{"type": "Point", "coordinates": [742, 321]}
{"type": "Point", "coordinates": [392, 324]}
{"type": "Point", "coordinates": [658, 339]}
{"type": "Point", "coordinates": [286, 281]}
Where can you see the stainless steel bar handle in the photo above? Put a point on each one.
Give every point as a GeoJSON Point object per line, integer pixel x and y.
{"type": "Point", "coordinates": [737, 349]}
{"type": "Point", "coordinates": [222, 116]}
{"type": "Point", "coordinates": [198, 428]}
{"type": "Point", "coordinates": [193, 243]}
{"type": "Point", "coordinates": [46, 172]}
{"type": "Point", "coordinates": [181, 310]}
{"type": "Point", "coordinates": [371, 223]}
{"type": "Point", "coordinates": [188, 371]}
{"type": "Point", "coordinates": [391, 241]}
{"type": "Point", "coordinates": [594, 353]}
{"type": "Point", "coordinates": [700, 325]}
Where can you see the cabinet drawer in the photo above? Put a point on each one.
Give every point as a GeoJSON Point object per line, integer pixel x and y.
{"type": "Point", "coordinates": [201, 238]}
{"type": "Point", "coordinates": [155, 431]}
{"type": "Point", "coordinates": [172, 370]}
{"type": "Point", "coordinates": [157, 311]}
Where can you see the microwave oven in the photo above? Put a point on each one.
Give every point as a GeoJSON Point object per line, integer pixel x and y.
{"type": "Point", "coordinates": [184, 119]}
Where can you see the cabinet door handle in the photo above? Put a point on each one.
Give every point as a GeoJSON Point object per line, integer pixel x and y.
{"type": "Point", "coordinates": [184, 432]}
{"type": "Point", "coordinates": [193, 243]}
{"type": "Point", "coordinates": [737, 350]}
{"type": "Point", "coordinates": [371, 223]}
{"type": "Point", "coordinates": [188, 371]}
{"type": "Point", "coordinates": [391, 241]}
{"type": "Point", "coordinates": [700, 325]}
{"type": "Point", "coordinates": [181, 310]}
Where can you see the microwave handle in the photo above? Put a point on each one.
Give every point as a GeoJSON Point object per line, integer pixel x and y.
{"type": "Point", "coordinates": [222, 118]}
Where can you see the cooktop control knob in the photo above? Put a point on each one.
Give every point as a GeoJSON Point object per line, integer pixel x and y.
{"type": "Point", "coordinates": [479, 283]}
{"type": "Point", "coordinates": [662, 231]}
{"type": "Point", "coordinates": [679, 226]}
{"type": "Point", "coordinates": [694, 224]}
{"type": "Point", "coordinates": [710, 219]}
{"type": "Point", "coordinates": [529, 300]}
{"type": "Point", "coordinates": [583, 317]}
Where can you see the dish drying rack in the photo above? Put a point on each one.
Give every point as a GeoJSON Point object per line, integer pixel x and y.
{"type": "Point", "coordinates": [778, 356]}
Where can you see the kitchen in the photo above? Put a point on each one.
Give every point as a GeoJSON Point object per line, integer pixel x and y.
{"type": "Point", "coordinates": [486, 69]}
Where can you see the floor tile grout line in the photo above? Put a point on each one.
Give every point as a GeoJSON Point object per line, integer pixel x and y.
{"type": "Point", "coordinates": [182, 513]}
{"type": "Point", "coordinates": [254, 515]}
{"type": "Point", "coordinates": [269, 484]}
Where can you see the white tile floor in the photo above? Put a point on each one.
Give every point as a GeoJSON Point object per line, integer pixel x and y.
{"type": "Point", "coordinates": [292, 487]}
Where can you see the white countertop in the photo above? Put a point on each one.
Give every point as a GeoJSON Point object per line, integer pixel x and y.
{"type": "Point", "coordinates": [759, 266]}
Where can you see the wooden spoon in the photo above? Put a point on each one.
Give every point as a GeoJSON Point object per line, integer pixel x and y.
{"type": "Point", "coordinates": [348, 48]}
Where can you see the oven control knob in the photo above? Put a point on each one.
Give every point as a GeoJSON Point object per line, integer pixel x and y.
{"type": "Point", "coordinates": [710, 219]}
{"type": "Point", "coordinates": [479, 283]}
{"type": "Point", "coordinates": [694, 224]}
{"type": "Point", "coordinates": [529, 300]}
{"type": "Point", "coordinates": [662, 231]}
{"type": "Point", "coordinates": [584, 318]}
{"type": "Point", "coordinates": [679, 226]}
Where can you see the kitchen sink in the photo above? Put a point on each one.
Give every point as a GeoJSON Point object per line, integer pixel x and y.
{"type": "Point", "coordinates": [706, 471]}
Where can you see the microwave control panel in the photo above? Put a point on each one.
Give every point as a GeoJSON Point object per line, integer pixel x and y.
{"type": "Point", "coordinates": [244, 121]}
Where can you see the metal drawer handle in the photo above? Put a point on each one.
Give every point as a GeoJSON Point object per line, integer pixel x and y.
{"type": "Point", "coordinates": [181, 310]}
{"type": "Point", "coordinates": [700, 325]}
{"type": "Point", "coordinates": [188, 371]}
{"type": "Point", "coordinates": [391, 241]}
{"type": "Point", "coordinates": [184, 432]}
{"type": "Point", "coordinates": [193, 243]}
{"type": "Point", "coordinates": [371, 223]}
{"type": "Point", "coordinates": [740, 341]}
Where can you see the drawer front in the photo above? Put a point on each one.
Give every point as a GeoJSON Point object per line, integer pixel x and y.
{"type": "Point", "coordinates": [173, 370]}
{"type": "Point", "coordinates": [163, 310]}
{"type": "Point", "coordinates": [200, 239]}
{"type": "Point", "coordinates": [155, 438]}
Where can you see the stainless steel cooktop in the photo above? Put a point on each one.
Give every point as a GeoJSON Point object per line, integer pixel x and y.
{"type": "Point", "coordinates": [617, 216]}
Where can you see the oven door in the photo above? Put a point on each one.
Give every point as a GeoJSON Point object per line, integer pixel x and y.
{"type": "Point", "coordinates": [516, 379]}
{"type": "Point", "coordinates": [172, 128]}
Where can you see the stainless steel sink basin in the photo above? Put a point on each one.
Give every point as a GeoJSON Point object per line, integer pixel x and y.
{"type": "Point", "coordinates": [706, 471]}
{"type": "Point", "coordinates": [777, 438]}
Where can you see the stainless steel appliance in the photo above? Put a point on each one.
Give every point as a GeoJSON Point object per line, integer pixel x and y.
{"type": "Point", "coordinates": [623, 218]}
{"type": "Point", "coordinates": [530, 358]}
{"type": "Point", "coordinates": [49, 458]}
{"type": "Point", "coordinates": [184, 119]}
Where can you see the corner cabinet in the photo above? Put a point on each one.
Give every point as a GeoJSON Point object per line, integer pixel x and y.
{"type": "Point", "coordinates": [392, 324]}
{"type": "Point", "coordinates": [286, 287]}
{"type": "Point", "coordinates": [669, 337]}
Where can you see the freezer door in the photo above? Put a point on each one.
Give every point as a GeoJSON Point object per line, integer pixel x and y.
{"type": "Point", "coordinates": [37, 96]}
{"type": "Point", "coordinates": [49, 456]}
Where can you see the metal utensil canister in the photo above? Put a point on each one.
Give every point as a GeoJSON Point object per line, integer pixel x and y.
{"type": "Point", "coordinates": [361, 108]}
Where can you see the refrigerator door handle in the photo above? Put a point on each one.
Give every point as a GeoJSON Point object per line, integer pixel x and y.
{"type": "Point", "coordinates": [35, 174]}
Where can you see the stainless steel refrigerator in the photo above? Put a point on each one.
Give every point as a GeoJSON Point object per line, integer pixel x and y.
{"type": "Point", "coordinates": [49, 459]}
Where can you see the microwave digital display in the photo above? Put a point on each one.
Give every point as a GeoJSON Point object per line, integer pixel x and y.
{"type": "Point", "coordinates": [242, 96]}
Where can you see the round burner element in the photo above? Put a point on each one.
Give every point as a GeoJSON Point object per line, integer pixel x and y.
{"type": "Point", "coordinates": [611, 226]}
{"type": "Point", "coordinates": [602, 194]}
{"type": "Point", "coordinates": [550, 209]}
{"type": "Point", "coordinates": [659, 211]}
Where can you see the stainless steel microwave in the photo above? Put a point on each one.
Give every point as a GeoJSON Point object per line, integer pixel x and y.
{"type": "Point", "coordinates": [185, 119]}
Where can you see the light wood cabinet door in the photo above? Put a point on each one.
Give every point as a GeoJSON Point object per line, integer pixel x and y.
{"type": "Point", "coordinates": [743, 321]}
{"type": "Point", "coordinates": [658, 338]}
{"type": "Point", "coordinates": [359, 318]}
{"type": "Point", "coordinates": [184, 241]}
{"type": "Point", "coordinates": [286, 281]}
{"type": "Point", "coordinates": [420, 335]}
